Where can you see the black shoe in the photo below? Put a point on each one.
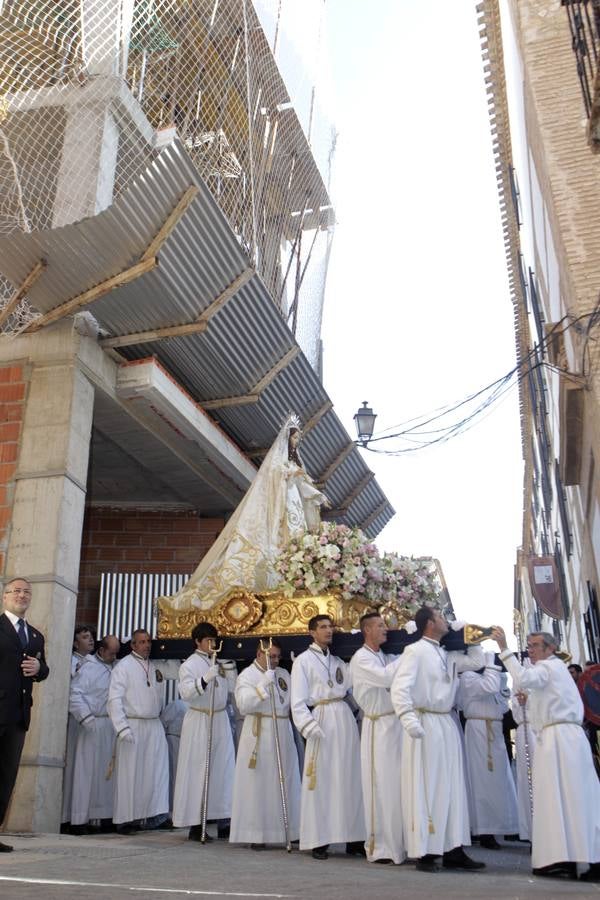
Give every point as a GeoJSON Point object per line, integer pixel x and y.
{"type": "Point", "coordinates": [79, 830]}
{"type": "Point", "coordinates": [356, 848]}
{"type": "Point", "coordinates": [383, 862]}
{"type": "Point", "coordinates": [566, 870]}
{"type": "Point", "coordinates": [65, 828]}
{"type": "Point", "coordinates": [5, 848]}
{"type": "Point", "coordinates": [512, 837]}
{"type": "Point", "coordinates": [427, 863]}
{"type": "Point", "coordinates": [258, 846]}
{"type": "Point", "coordinates": [223, 832]}
{"type": "Point", "coordinates": [127, 828]}
{"type": "Point", "coordinates": [167, 825]}
{"type": "Point", "coordinates": [195, 834]}
{"type": "Point", "coordinates": [458, 859]}
{"type": "Point", "coordinates": [592, 874]}
{"type": "Point", "coordinates": [320, 852]}
{"type": "Point", "coordinates": [489, 842]}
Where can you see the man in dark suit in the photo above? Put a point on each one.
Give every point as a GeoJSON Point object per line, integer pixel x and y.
{"type": "Point", "coordinates": [21, 663]}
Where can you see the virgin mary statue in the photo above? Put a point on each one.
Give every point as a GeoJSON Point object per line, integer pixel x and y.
{"type": "Point", "coordinates": [281, 503]}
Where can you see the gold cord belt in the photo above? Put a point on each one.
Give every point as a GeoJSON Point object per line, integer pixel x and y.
{"type": "Point", "coordinates": [489, 731]}
{"type": "Point", "coordinates": [311, 768]}
{"type": "Point", "coordinates": [207, 712]}
{"type": "Point", "coordinates": [256, 732]}
{"type": "Point", "coordinates": [329, 700]}
{"type": "Point", "coordinates": [143, 718]}
{"type": "Point", "coordinates": [375, 716]}
{"type": "Point", "coordinates": [436, 712]}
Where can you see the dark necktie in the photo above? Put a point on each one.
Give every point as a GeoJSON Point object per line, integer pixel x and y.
{"type": "Point", "coordinates": [22, 633]}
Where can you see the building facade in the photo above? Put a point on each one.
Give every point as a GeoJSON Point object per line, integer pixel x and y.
{"type": "Point", "coordinates": [165, 223]}
{"type": "Point", "coordinates": [543, 130]}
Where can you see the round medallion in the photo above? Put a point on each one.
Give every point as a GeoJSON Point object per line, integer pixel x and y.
{"type": "Point", "coordinates": [339, 675]}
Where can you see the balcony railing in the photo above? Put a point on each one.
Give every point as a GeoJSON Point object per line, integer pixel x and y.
{"type": "Point", "coordinates": [584, 23]}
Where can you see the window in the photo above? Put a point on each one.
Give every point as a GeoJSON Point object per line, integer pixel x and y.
{"type": "Point", "coordinates": [536, 307]}
{"type": "Point", "coordinates": [564, 592]}
{"type": "Point", "coordinates": [516, 195]}
{"type": "Point", "coordinates": [562, 508]}
{"type": "Point", "coordinates": [591, 621]}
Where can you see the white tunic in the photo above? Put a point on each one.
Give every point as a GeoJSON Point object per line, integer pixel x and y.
{"type": "Point", "coordinates": [172, 719]}
{"type": "Point", "coordinates": [78, 660]}
{"type": "Point", "coordinates": [380, 751]}
{"type": "Point", "coordinates": [191, 765]}
{"type": "Point", "coordinates": [493, 793]}
{"type": "Point", "coordinates": [331, 804]}
{"type": "Point", "coordinates": [523, 796]}
{"type": "Point", "coordinates": [141, 769]}
{"type": "Point", "coordinates": [256, 815]}
{"type": "Point", "coordinates": [433, 793]}
{"type": "Point", "coordinates": [92, 796]}
{"type": "Point", "coordinates": [566, 791]}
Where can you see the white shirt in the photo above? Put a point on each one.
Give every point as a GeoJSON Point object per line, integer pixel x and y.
{"type": "Point", "coordinates": [15, 621]}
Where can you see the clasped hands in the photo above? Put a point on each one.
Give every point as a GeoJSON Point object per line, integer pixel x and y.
{"type": "Point", "coordinates": [30, 666]}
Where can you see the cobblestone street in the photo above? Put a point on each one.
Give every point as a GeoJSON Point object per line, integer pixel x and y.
{"type": "Point", "coordinates": [161, 865]}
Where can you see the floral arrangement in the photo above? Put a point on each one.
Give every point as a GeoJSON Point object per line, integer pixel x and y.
{"type": "Point", "coordinates": [340, 557]}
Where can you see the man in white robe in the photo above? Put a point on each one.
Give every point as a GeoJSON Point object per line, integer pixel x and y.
{"type": "Point", "coordinates": [92, 796]}
{"type": "Point", "coordinates": [566, 791]}
{"type": "Point", "coordinates": [202, 682]}
{"type": "Point", "coordinates": [372, 672]}
{"type": "Point", "coordinates": [83, 649]}
{"type": "Point", "coordinates": [257, 813]}
{"type": "Point", "coordinates": [433, 792]}
{"type": "Point", "coordinates": [524, 747]}
{"type": "Point", "coordinates": [141, 771]}
{"type": "Point", "coordinates": [172, 718]}
{"type": "Point", "coordinates": [493, 793]}
{"type": "Point", "coordinates": [331, 801]}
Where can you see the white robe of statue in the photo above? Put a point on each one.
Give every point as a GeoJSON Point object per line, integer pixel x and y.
{"type": "Point", "coordinates": [432, 784]}
{"type": "Point", "coordinates": [92, 795]}
{"type": "Point", "coordinates": [566, 790]}
{"type": "Point", "coordinates": [380, 752]}
{"type": "Point", "coordinates": [256, 816]}
{"type": "Point", "coordinates": [282, 502]}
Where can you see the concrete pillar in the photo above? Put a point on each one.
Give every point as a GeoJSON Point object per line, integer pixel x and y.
{"type": "Point", "coordinates": [44, 543]}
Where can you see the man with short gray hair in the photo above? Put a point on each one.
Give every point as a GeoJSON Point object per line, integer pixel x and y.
{"type": "Point", "coordinates": [21, 663]}
{"type": "Point", "coordinates": [566, 792]}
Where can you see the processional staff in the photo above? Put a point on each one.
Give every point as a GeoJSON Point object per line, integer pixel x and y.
{"type": "Point", "coordinates": [211, 715]}
{"type": "Point", "coordinates": [265, 647]}
{"type": "Point", "coordinates": [518, 629]}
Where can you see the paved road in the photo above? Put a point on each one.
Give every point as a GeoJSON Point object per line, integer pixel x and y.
{"type": "Point", "coordinates": [165, 866]}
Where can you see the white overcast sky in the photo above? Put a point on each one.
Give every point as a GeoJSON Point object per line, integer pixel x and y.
{"type": "Point", "coordinates": [417, 311]}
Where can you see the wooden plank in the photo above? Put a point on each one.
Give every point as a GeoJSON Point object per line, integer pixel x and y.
{"type": "Point", "coordinates": [225, 295]}
{"type": "Point", "coordinates": [326, 475]}
{"type": "Point", "coordinates": [266, 380]}
{"type": "Point", "coordinates": [374, 515]}
{"type": "Point", "coordinates": [158, 334]}
{"type": "Point", "coordinates": [314, 420]}
{"type": "Point", "coordinates": [20, 292]}
{"type": "Point", "coordinates": [243, 400]}
{"type": "Point", "coordinates": [71, 306]}
{"type": "Point", "coordinates": [170, 222]}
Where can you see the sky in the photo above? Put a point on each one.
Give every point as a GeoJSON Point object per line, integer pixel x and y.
{"type": "Point", "coordinates": [417, 311]}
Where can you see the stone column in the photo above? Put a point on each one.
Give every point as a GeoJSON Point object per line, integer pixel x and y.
{"type": "Point", "coordinates": [43, 545]}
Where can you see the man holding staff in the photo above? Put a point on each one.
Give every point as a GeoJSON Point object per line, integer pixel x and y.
{"type": "Point", "coordinates": [199, 676]}
{"type": "Point", "coordinates": [380, 744]}
{"type": "Point", "coordinates": [432, 782]}
{"type": "Point", "coordinates": [331, 804]}
{"type": "Point", "coordinates": [566, 792]}
{"type": "Point", "coordinates": [257, 813]}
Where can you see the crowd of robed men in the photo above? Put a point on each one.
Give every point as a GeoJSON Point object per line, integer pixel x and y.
{"type": "Point", "coordinates": [409, 783]}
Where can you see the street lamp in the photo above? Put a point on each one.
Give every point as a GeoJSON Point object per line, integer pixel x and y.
{"type": "Point", "coordinates": [365, 423]}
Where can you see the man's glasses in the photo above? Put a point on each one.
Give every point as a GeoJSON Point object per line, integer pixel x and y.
{"type": "Point", "coordinates": [25, 593]}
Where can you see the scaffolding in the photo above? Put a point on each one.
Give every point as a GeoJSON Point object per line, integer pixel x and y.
{"type": "Point", "coordinates": [90, 89]}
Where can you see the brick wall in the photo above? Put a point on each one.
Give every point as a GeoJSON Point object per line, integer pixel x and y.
{"type": "Point", "coordinates": [12, 407]}
{"type": "Point", "coordinates": [116, 540]}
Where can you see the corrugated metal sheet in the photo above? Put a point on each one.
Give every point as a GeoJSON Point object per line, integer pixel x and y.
{"type": "Point", "coordinates": [244, 340]}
